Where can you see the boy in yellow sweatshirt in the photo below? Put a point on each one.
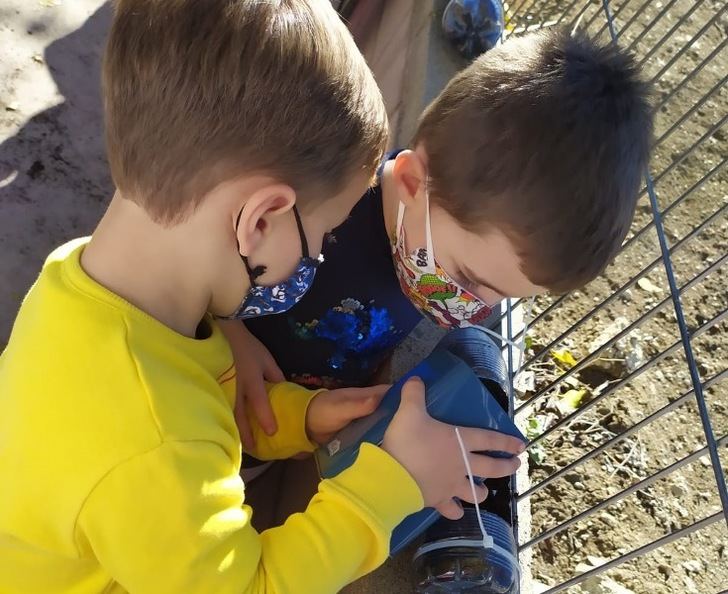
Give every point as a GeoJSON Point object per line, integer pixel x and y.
{"type": "Point", "coordinates": [238, 133]}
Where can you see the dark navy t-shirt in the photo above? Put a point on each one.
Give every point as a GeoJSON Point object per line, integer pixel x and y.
{"type": "Point", "coordinates": [353, 316]}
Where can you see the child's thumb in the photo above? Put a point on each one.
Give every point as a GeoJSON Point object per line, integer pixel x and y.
{"type": "Point", "coordinates": [413, 393]}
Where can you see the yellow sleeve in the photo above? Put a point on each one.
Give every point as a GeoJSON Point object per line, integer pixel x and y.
{"type": "Point", "coordinates": [173, 520]}
{"type": "Point", "coordinates": [289, 403]}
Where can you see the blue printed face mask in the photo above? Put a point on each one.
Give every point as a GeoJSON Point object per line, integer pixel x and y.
{"type": "Point", "coordinates": [261, 300]}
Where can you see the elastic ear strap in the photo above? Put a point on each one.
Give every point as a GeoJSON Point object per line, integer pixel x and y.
{"type": "Point", "coordinates": [400, 219]}
{"type": "Point", "coordinates": [237, 222]}
{"type": "Point", "coordinates": [301, 232]}
{"type": "Point", "coordinates": [428, 231]}
{"type": "Point", "coordinates": [253, 273]}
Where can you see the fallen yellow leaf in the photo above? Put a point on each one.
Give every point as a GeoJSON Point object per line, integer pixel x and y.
{"type": "Point", "coordinates": [564, 357]}
{"type": "Point", "coordinates": [571, 399]}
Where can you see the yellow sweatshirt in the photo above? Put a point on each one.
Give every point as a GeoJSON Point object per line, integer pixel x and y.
{"type": "Point", "coordinates": [119, 461]}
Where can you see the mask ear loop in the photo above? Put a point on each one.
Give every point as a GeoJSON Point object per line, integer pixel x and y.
{"type": "Point", "coordinates": [400, 220]}
{"type": "Point", "coordinates": [258, 271]}
{"type": "Point", "coordinates": [253, 273]}
{"type": "Point", "coordinates": [428, 232]}
{"type": "Point", "coordinates": [301, 233]}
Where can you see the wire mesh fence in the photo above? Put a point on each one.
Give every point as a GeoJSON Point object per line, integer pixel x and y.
{"type": "Point", "coordinates": [624, 386]}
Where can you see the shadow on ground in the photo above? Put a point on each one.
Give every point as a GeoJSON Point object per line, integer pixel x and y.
{"type": "Point", "coordinates": [54, 181]}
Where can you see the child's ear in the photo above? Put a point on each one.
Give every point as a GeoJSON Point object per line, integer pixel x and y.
{"type": "Point", "coordinates": [410, 175]}
{"type": "Point", "coordinates": [260, 212]}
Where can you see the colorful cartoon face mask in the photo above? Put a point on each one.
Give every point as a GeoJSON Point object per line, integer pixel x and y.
{"type": "Point", "coordinates": [429, 287]}
{"type": "Point", "coordinates": [263, 301]}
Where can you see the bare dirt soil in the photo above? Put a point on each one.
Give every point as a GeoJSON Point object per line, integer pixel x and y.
{"type": "Point", "coordinates": [619, 391]}
{"type": "Point", "coordinates": [54, 180]}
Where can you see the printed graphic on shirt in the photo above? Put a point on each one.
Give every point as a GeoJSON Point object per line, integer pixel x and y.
{"type": "Point", "coordinates": [357, 330]}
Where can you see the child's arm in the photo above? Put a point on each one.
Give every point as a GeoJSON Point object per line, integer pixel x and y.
{"type": "Point", "coordinates": [307, 417]}
{"type": "Point", "coordinates": [173, 519]}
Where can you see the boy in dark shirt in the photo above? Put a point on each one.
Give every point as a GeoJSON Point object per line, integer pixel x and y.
{"type": "Point", "coordinates": [522, 179]}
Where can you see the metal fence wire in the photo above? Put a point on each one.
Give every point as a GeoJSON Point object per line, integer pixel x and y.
{"type": "Point", "coordinates": [624, 385]}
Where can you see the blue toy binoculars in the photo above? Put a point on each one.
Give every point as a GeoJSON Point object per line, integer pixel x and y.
{"type": "Point", "coordinates": [459, 376]}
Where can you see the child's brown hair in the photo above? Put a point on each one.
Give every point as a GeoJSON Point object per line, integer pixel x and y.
{"type": "Point", "coordinates": [546, 138]}
{"type": "Point", "coordinates": [198, 91]}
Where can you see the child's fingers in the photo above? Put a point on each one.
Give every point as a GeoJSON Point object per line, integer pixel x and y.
{"type": "Point", "coordinates": [451, 509]}
{"type": "Point", "coordinates": [489, 467]}
{"type": "Point", "coordinates": [465, 493]}
{"type": "Point", "coordinates": [271, 371]}
{"type": "Point", "coordinates": [241, 420]}
{"type": "Point", "coordinates": [479, 440]}
{"type": "Point", "coordinates": [258, 399]}
{"type": "Point", "coordinates": [246, 433]}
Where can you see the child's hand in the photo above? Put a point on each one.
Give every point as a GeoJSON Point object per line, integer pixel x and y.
{"type": "Point", "coordinates": [254, 365]}
{"type": "Point", "coordinates": [332, 410]}
{"type": "Point", "coordinates": [430, 452]}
